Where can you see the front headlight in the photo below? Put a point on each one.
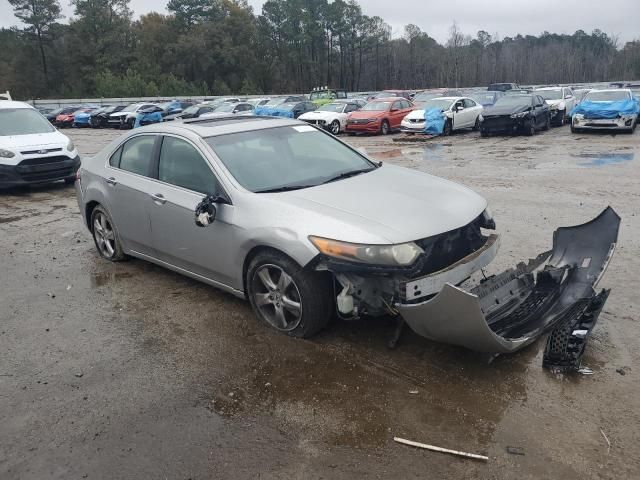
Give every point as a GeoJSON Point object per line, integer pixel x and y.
{"type": "Point", "coordinates": [70, 146]}
{"type": "Point", "coordinates": [579, 116]}
{"type": "Point", "coordinates": [6, 153]}
{"type": "Point", "coordinates": [519, 115]}
{"type": "Point", "coordinates": [402, 255]}
{"type": "Point", "coordinates": [372, 120]}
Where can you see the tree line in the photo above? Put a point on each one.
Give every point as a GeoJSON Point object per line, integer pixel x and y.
{"type": "Point", "coordinates": [218, 47]}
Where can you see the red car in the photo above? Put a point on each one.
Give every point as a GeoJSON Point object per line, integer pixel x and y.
{"type": "Point", "coordinates": [379, 116]}
{"type": "Point", "coordinates": [67, 119]}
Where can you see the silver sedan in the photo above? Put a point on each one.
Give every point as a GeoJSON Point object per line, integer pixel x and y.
{"type": "Point", "coordinates": [305, 227]}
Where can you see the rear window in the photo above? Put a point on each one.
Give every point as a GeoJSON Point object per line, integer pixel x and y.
{"type": "Point", "coordinates": [23, 121]}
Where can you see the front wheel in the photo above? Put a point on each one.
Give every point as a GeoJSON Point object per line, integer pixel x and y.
{"type": "Point", "coordinates": [547, 123]}
{"type": "Point", "coordinates": [384, 128]}
{"type": "Point", "coordinates": [530, 127]}
{"type": "Point", "coordinates": [335, 127]}
{"type": "Point", "coordinates": [448, 128]}
{"type": "Point", "coordinates": [561, 118]}
{"type": "Point", "coordinates": [476, 126]}
{"type": "Point", "coordinates": [287, 297]}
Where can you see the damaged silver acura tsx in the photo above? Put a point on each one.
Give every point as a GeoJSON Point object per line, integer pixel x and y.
{"type": "Point", "coordinates": [305, 227]}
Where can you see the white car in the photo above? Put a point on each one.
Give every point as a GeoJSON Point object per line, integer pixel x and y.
{"type": "Point", "coordinates": [332, 116]}
{"type": "Point", "coordinates": [561, 101]}
{"type": "Point", "coordinates": [31, 149]}
{"type": "Point", "coordinates": [602, 110]}
{"type": "Point", "coordinates": [126, 117]}
{"type": "Point", "coordinates": [461, 112]}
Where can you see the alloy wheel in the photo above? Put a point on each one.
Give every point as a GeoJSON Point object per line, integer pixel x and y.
{"type": "Point", "coordinates": [104, 235]}
{"type": "Point", "coordinates": [335, 127]}
{"type": "Point", "coordinates": [277, 297]}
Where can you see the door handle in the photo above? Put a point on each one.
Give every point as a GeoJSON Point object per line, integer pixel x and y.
{"type": "Point", "coordinates": [111, 181]}
{"type": "Point", "coordinates": [159, 198]}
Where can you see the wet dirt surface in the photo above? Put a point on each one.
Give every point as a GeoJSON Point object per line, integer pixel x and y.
{"type": "Point", "coordinates": [131, 371]}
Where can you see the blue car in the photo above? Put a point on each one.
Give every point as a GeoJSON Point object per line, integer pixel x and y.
{"type": "Point", "coordinates": [83, 119]}
{"type": "Point", "coordinates": [157, 113]}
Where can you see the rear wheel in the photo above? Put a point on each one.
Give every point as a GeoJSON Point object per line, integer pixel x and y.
{"type": "Point", "coordinates": [384, 128]}
{"type": "Point", "coordinates": [105, 235]}
{"type": "Point", "coordinates": [335, 127]}
{"type": "Point", "coordinates": [287, 297]}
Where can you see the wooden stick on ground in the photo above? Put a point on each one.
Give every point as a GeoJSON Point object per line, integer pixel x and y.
{"type": "Point", "coordinates": [439, 449]}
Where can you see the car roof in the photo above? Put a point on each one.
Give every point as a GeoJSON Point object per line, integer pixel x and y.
{"type": "Point", "coordinates": [5, 104]}
{"type": "Point", "coordinates": [387, 99]}
{"type": "Point", "coordinates": [222, 125]}
{"type": "Point", "coordinates": [627, 90]}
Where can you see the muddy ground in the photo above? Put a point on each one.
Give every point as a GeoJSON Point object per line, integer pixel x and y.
{"type": "Point", "coordinates": [131, 371]}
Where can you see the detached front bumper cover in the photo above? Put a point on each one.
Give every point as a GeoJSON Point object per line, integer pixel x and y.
{"type": "Point", "coordinates": [508, 311]}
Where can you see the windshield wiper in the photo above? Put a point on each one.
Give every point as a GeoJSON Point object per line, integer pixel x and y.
{"type": "Point", "coordinates": [286, 188]}
{"type": "Point", "coordinates": [352, 173]}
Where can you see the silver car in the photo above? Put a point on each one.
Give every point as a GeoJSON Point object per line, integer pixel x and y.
{"type": "Point", "coordinates": [305, 227]}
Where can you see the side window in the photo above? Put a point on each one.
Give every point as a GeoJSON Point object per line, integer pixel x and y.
{"type": "Point", "coordinates": [469, 103]}
{"type": "Point", "coordinates": [182, 165]}
{"type": "Point", "coordinates": [114, 160]}
{"type": "Point", "coordinates": [350, 108]}
{"type": "Point", "coordinates": [205, 110]}
{"type": "Point", "coordinates": [137, 154]}
{"type": "Point", "coordinates": [342, 94]}
{"type": "Point", "coordinates": [396, 106]}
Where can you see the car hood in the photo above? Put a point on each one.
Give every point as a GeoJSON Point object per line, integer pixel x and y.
{"type": "Point", "coordinates": [33, 142]}
{"type": "Point", "coordinates": [120, 114]}
{"type": "Point", "coordinates": [504, 110]}
{"type": "Point", "coordinates": [360, 114]}
{"type": "Point", "coordinates": [388, 205]}
{"type": "Point", "coordinates": [319, 115]}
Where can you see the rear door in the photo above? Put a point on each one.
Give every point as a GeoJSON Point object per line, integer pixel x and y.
{"type": "Point", "coordinates": [184, 177]}
{"type": "Point", "coordinates": [472, 111]}
{"type": "Point", "coordinates": [128, 184]}
{"type": "Point", "coordinates": [396, 114]}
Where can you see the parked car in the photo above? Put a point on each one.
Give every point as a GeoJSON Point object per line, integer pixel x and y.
{"type": "Point", "coordinates": [158, 113]}
{"type": "Point", "coordinates": [82, 118]}
{"type": "Point", "coordinates": [486, 98]}
{"type": "Point", "coordinates": [561, 101]}
{"type": "Point", "coordinates": [332, 116]}
{"type": "Point", "coordinates": [524, 113]}
{"type": "Point", "coordinates": [100, 118]}
{"type": "Point", "coordinates": [67, 120]}
{"type": "Point", "coordinates": [288, 110]}
{"type": "Point", "coordinates": [53, 114]}
{"type": "Point", "coordinates": [502, 87]}
{"type": "Point", "coordinates": [615, 109]}
{"type": "Point", "coordinates": [302, 225]}
{"type": "Point", "coordinates": [126, 117]}
{"type": "Point", "coordinates": [258, 102]}
{"type": "Point", "coordinates": [460, 113]}
{"type": "Point", "coordinates": [242, 108]}
{"type": "Point", "coordinates": [194, 111]}
{"type": "Point", "coordinates": [32, 150]}
{"type": "Point", "coordinates": [322, 96]}
{"type": "Point", "coordinates": [382, 115]}
{"type": "Point", "coordinates": [421, 98]}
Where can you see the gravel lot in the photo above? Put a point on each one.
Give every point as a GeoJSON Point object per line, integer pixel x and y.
{"type": "Point", "coordinates": [131, 371]}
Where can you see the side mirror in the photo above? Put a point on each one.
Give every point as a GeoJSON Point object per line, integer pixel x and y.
{"type": "Point", "coordinates": [206, 210]}
{"type": "Point", "coordinates": [459, 107]}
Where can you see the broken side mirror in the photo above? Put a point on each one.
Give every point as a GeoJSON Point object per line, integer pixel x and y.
{"type": "Point", "coordinates": [206, 210]}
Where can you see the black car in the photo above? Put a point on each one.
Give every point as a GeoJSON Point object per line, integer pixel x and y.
{"type": "Point", "coordinates": [503, 87]}
{"type": "Point", "coordinates": [524, 113]}
{"type": "Point", "coordinates": [100, 118]}
{"type": "Point", "coordinates": [51, 116]}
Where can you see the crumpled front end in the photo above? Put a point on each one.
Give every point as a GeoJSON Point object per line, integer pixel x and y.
{"type": "Point", "coordinates": [506, 312]}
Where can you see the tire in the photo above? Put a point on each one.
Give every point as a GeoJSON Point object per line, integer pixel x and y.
{"type": "Point", "coordinates": [384, 128]}
{"type": "Point", "coordinates": [476, 126]}
{"type": "Point", "coordinates": [334, 128]}
{"type": "Point", "coordinates": [574, 129]}
{"type": "Point", "coordinates": [448, 128]}
{"type": "Point", "coordinates": [108, 245]}
{"type": "Point", "coordinates": [561, 115]}
{"type": "Point", "coordinates": [547, 124]}
{"type": "Point", "coordinates": [307, 292]}
{"type": "Point", "coordinates": [530, 128]}
{"type": "Point", "coordinates": [484, 133]}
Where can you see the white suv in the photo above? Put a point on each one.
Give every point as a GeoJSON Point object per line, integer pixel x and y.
{"type": "Point", "coordinates": [31, 149]}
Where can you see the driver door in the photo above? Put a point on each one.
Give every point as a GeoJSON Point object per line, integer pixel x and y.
{"type": "Point", "coordinates": [184, 177]}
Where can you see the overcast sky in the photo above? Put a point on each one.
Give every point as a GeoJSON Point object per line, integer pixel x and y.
{"type": "Point", "coordinates": [620, 18]}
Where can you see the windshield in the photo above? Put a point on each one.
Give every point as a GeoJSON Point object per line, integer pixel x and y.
{"type": "Point", "coordinates": [513, 101]}
{"type": "Point", "coordinates": [550, 94]}
{"type": "Point", "coordinates": [438, 103]}
{"type": "Point", "coordinates": [285, 157]}
{"type": "Point", "coordinates": [332, 107]}
{"type": "Point", "coordinates": [376, 106]}
{"type": "Point", "coordinates": [192, 110]}
{"type": "Point", "coordinates": [607, 96]}
{"type": "Point", "coordinates": [424, 96]}
{"type": "Point", "coordinates": [274, 102]}
{"type": "Point", "coordinates": [130, 108]}
{"type": "Point", "coordinates": [483, 97]}
{"type": "Point", "coordinates": [225, 108]}
{"type": "Point", "coordinates": [23, 121]}
{"type": "Point", "coordinates": [322, 95]}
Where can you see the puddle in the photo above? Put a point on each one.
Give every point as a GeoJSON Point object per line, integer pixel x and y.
{"type": "Point", "coordinates": [603, 159]}
{"type": "Point", "coordinates": [428, 152]}
{"type": "Point", "coordinates": [101, 279]}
